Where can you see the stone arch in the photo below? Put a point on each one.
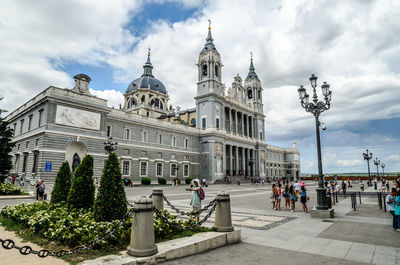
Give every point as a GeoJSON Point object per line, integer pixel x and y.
{"type": "Point", "coordinates": [73, 149]}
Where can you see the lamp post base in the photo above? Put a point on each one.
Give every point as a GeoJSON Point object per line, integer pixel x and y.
{"type": "Point", "coordinates": [322, 203]}
{"type": "Point", "coordinates": [323, 214]}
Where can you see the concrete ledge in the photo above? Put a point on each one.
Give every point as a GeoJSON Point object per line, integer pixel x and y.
{"type": "Point", "coordinates": [323, 214]}
{"type": "Point", "coordinates": [172, 249]}
{"type": "Point", "coordinates": [13, 197]}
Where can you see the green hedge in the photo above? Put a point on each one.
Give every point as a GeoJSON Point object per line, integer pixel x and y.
{"type": "Point", "coordinates": [162, 181]}
{"type": "Point", "coordinates": [146, 181]}
{"type": "Point", "coordinates": [188, 180]}
{"type": "Point", "coordinates": [10, 189]}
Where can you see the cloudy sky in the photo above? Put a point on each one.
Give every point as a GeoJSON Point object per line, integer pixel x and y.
{"type": "Point", "coordinates": [353, 45]}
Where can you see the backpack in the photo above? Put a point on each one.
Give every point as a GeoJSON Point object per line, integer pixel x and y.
{"type": "Point", "coordinates": [201, 193]}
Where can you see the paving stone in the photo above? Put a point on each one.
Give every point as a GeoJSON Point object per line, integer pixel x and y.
{"type": "Point", "coordinates": [383, 259]}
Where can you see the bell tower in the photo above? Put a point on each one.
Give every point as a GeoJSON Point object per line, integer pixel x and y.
{"type": "Point", "coordinates": [209, 68]}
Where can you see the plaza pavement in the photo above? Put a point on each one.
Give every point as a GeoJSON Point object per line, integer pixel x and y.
{"type": "Point", "coordinates": [282, 237]}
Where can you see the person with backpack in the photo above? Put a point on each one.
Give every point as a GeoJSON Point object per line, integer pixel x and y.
{"type": "Point", "coordinates": [41, 189]}
{"type": "Point", "coordinates": [197, 196]}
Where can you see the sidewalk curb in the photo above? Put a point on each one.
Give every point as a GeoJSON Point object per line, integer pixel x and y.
{"type": "Point", "coordinates": [11, 197]}
{"type": "Point", "coordinates": [174, 249]}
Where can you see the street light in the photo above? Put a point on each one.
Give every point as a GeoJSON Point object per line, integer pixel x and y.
{"type": "Point", "coordinates": [368, 157]}
{"type": "Point", "coordinates": [316, 108]}
{"type": "Point", "coordinates": [377, 162]}
{"type": "Point", "coordinates": [383, 169]}
{"type": "Point", "coordinates": [110, 145]}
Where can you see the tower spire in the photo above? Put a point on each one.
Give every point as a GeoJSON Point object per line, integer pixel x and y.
{"type": "Point", "coordinates": [209, 40]}
{"type": "Point", "coordinates": [252, 70]}
{"type": "Point", "coordinates": [148, 67]}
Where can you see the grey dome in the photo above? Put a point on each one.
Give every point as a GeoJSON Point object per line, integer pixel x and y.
{"type": "Point", "coordinates": [147, 80]}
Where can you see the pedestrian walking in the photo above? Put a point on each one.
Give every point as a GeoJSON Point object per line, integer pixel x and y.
{"type": "Point", "coordinates": [273, 195]}
{"type": "Point", "coordinates": [286, 196]}
{"type": "Point", "coordinates": [390, 205]}
{"type": "Point", "coordinates": [278, 197]}
{"type": "Point", "coordinates": [304, 198]}
{"type": "Point", "coordinates": [195, 200]}
{"type": "Point", "coordinates": [42, 188]}
{"type": "Point", "coordinates": [344, 188]}
{"type": "Point", "coordinates": [292, 196]}
{"type": "Point", "coordinates": [297, 188]}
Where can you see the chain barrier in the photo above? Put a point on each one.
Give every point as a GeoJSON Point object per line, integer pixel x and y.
{"type": "Point", "coordinates": [185, 228]}
{"type": "Point", "coordinates": [26, 250]}
{"type": "Point", "coordinates": [189, 213]}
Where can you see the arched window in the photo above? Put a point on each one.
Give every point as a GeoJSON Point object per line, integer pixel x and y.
{"type": "Point", "coordinates": [156, 103]}
{"type": "Point", "coordinates": [204, 70]}
{"type": "Point", "coordinates": [216, 70]}
{"type": "Point", "coordinates": [193, 122]}
{"type": "Point", "coordinates": [131, 102]}
{"type": "Point", "coordinates": [143, 99]}
{"type": "Point", "coordinates": [250, 94]}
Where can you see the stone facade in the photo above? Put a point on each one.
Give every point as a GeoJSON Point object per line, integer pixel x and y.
{"type": "Point", "coordinates": [223, 134]}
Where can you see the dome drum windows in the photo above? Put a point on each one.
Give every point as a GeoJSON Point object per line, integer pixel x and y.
{"type": "Point", "coordinates": [131, 103]}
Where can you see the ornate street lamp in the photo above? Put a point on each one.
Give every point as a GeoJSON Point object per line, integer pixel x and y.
{"type": "Point", "coordinates": [377, 162]}
{"type": "Point", "coordinates": [368, 157]}
{"type": "Point", "coordinates": [110, 145]}
{"type": "Point", "coordinates": [383, 169]}
{"type": "Point", "coordinates": [316, 108]}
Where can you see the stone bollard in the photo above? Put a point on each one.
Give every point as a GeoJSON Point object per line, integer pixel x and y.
{"type": "Point", "coordinates": [223, 219]}
{"type": "Point", "coordinates": [142, 234]}
{"type": "Point", "coordinates": [158, 200]}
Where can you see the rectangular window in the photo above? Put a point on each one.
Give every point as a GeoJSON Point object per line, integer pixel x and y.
{"type": "Point", "coordinates": [35, 160]}
{"type": "Point", "coordinates": [24, 163]}
{"type": "Point", "coordinates": [125, 167]}
{"type": "Point", "coordinates": [40, 117]}
{"type": "Point", "coordinates": [203, 123]}
{"type": "Point", "coordinates": [159, 169]}
{"type": "Point", "coordinates": [108, 130]}
{"type": "Point", "coordinates": [186, 170]}
{"type": "Point", "coordinates": [173, 170]}
{"type": "Point", "coordinates": [173, 141]}
{"type": "Point", "coordinates": [37, 142]}
{"type": "Point", "coordinates": [145, 137]}
{"type": "Point", "coordinates": [27, 144]}
{"type": "Point", "coordinates": [143, 168]}
{"type": "Point", "coordinates": [30, 122]}
{"type": "Point", "coordinates": [160, 139]}
{"type": "Point", "coordinates": [15, 129]}
{"type": "Point", "coordinates": [186, 143]}
{"type": "Point", "coordinates": [127, 134]}
{"type": "Point", "coordinates": [22, 126]}
{"type": "Point", "coordinates": [261, 136]}
{"type": "Point", "coordinates": [217, 123]}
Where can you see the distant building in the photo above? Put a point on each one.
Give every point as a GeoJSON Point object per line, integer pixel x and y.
{"type": "Point", "coordinates": [223, 134]}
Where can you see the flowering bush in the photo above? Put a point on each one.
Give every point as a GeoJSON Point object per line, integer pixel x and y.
{"type": "Point", "coordinates": [10, 189]}
{"type": "Point", "coordinates": [78, 226]}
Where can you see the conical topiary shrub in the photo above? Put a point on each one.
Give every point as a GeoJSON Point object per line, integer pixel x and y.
{"type": "Point", "coordinates": [111, 203]}
{"type": "Point", "coordinates": [81, 194]}
{"type": "Point", "coordinates": [62, 184]}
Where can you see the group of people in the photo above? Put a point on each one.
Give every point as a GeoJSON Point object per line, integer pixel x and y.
{"type": "Point", "coordinates": [40, 189]}
{"type": "Point", "coordinates": [291, 194]}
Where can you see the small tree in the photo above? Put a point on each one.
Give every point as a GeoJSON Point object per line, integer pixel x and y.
{"type": "Point", "coordinates": [6, 133]}
{"type": "Point", "coordinates": [81, 194]}
{"type": "Point", "coordinates": [62, 184]}
{"type": "Point", "coordinates": [111, 202]}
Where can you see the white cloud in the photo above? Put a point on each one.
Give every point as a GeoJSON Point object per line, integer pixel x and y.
{"type": "Point", "coordinates": [114, 97]}
{"type": "Point", "coordinates": [347, 163]}
{"type": "Point", "coordinates": [393, 158]}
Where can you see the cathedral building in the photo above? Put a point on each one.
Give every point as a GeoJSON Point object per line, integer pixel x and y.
{"type": "Point", "coordinates": [223, 134]}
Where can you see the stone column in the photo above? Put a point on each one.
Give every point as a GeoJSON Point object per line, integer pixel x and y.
{"type": "Point", "coordinates": [230, 160]}
{"type": "Point", "coordinates": [158, 200]}
{"type": "Point", "coordinates": [223, 219]}
{"type": "Point", "coordinates": [243, 161]}
{"type": "Point", "coordinates": [230, 120]}
{"type": "Point", "coordinates": [223, 159]}
{"type": "Point", "coordinates": [237, 160]}
{"type": "Point", "coordinates": [142, 234]}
